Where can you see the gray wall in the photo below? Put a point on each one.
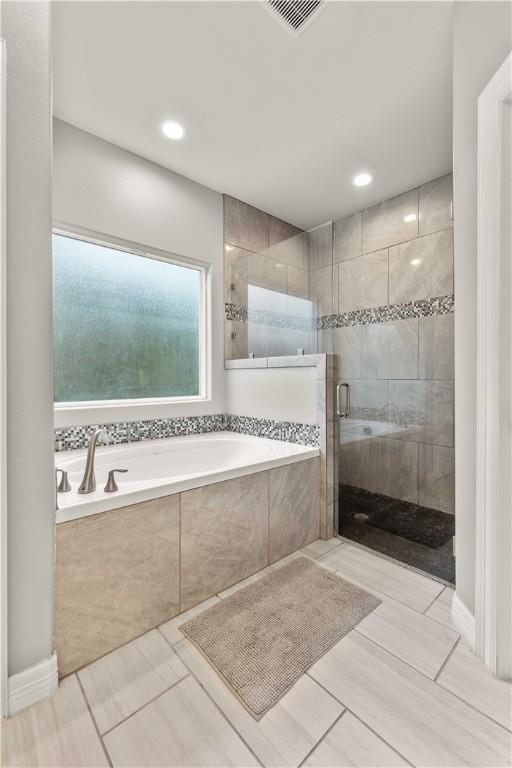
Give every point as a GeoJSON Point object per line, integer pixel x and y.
{"type": "Point", "coordinates": [481, 42]}
{"type": "Point", "coordinates": [31, 494]}
{"type": "Point", "coordinates": [101, 187]}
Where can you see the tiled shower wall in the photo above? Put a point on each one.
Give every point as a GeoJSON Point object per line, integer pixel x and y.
{"type": "Point", "coordinates": [395, 260]}
{"type": "Point", "coordinates": [267, 254]}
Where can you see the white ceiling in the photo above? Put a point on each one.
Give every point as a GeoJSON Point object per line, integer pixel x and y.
{"type": "Point", "coordinates": [278, 121]}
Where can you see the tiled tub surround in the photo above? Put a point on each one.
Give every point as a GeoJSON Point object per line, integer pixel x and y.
{"type": "Point", "coordinates": [123, 572]}
{"type": "Point", "coordinates": [392, 329]}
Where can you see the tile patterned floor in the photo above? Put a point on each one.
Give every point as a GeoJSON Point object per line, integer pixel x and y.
{"type": "Point", "coordinates": [400, 689]}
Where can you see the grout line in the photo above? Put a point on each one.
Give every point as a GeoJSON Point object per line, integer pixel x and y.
{"type": "Point", "coordinates": [447, 659]}
{"type": "Point", "coordinates": [347, 709]}
{"type": "Point", "coordinates": [104, 748]}
{"type": "Point", "coordinates": [336, 721]}
{"type": "Point", "coordinates": [217, 706]}
{"type": "Point", "coordinates": [379, 736]}
{"type": "Point", "coordinates": [433, 601]}
{"type": "Point", "coordinates": [400, 658]}
{"type": "Point", "coordinates": [146, 704]}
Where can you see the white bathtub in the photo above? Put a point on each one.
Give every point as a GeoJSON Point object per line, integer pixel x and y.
{"type": "Point", "coordinates": [160, 467]}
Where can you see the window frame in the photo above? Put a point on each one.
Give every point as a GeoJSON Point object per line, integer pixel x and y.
{"type": "Point", "coordinates": [137, 249]}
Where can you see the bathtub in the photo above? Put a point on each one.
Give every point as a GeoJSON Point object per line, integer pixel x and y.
{"type": "Point", "coordinates": [161, 467]}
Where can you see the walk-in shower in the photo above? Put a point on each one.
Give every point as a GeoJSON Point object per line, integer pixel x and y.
{"type": "Point", "coordinates": [376, 288]}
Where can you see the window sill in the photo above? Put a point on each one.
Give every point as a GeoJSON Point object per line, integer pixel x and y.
{"type": "Point", "coordinates": [108, 411]}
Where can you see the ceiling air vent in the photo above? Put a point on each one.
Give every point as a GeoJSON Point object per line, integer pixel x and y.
{"type": "Point", "coordinates": [295, 15]}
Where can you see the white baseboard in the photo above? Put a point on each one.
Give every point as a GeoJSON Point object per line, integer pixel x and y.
{"type": "Point", "coordinates": [33, 684]}
{"type": "Point", "coordinates": [464, 621]}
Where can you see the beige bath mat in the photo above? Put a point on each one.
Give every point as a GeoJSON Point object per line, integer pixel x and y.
{"type": "Point", "coordinates": [261, 639]}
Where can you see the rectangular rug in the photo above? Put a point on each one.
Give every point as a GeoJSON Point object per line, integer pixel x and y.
{"type": "Point", "coordinates": [261, 639]}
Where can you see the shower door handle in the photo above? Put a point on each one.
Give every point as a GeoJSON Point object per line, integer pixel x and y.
{"type": "Point", "coordinates": [343, 414]}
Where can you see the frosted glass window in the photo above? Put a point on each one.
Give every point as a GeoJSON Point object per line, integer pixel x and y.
{"type": "Point", "coordinates": [125, 326]}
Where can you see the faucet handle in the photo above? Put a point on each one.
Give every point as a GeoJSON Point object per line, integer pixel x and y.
{"type": "Point", "coordinates": [63, 486]}
{"type": "Point", "coordinates": [111, 485]}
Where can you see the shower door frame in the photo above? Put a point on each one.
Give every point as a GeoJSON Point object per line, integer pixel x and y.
{"type": "Point", "coordinates": [493, 571]}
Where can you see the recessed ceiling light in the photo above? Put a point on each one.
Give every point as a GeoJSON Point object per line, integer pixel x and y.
{"type": "Point", "coordinates": [228, 248]}
{"type": "Point", "coordinates": [410, 217]}
{"type": "Point", "coordinates": [415, 262]}
{"type": "Point", "coordinates": [173, 130]}
{"type": "Point", "coordinates": [362, 179]}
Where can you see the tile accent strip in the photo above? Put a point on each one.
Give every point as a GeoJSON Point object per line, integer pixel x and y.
{"type": "Point", "coordinates": [239, 312]}
{"type": "Point", "coordinates": [74, 438]}
{"type": "Point", "coordinates": [439, 305]}
{"type": "Point", "coordinates": [290, 432]}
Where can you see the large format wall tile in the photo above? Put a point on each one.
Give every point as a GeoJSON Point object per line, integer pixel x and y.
{"type": "Point", "coordinates": [351, 459]}
{"type": "Point", "coordinates": [391, 467]}
{"type": "Point", "coordinates": [421, 268]}
{"type": "Point", "coordinates": [390, 350]}
{"type": "Point", "coordinates": [436, 205]}
{"type": "Point", "coordinates": [245, 225]}
{"type": "Point", "coordinates": [347, 238]}
{"type": "Point", "coordinates": [320, 246]}
{"type": "Point", "coordinates": [436, 347]}
{"type": "Point", "coordinates": [363, 282]}
{"type": "Point", "coordinates": [424, 409]}
{"type": "Point", "coordinates": [321, 290]}
{"type": "Point", "coordinates": [235, 274]}
{"type": "Point", "coordinates": [117, 575]}
{"type": "Point", "coordinates": [224, 535]}
{"type": "Point", "coordinates": [347, 345]}
{"type": "Point", "coordinates": [436, 477]}
{"type": "Point", "coordinates": [288, 243]}
{"type": "Point", "coordinates": [384, 224]}
{"type": "Point", "coordinates": [267, 273]}
{"type": "Point", "coordinates": [294, 514]}
{"type": "Point", "coordinates": [368, 398]}
{"type": "Point", "coordinates": [298, 282]}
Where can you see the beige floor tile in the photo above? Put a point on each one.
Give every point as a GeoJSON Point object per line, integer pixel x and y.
{"type": "Point", "coordinates": [320, 547]}
{"type": "Point", "coordinates": [441, 608]}
{"type": "Point", "coordinates": [469, 678]}
{"type": "Point", "coordinates": [285, 735]}
{"type": "Point", "coordinates": [351, 743]}
{"type": "Point", "coordinates": [420, 719]}
{"type": "Point", "coordinates": [125, 680]}
{"type": "Point", "coordinates": [400, 583]}
{"type": "Point", "coordinates": [170, 629]}
{"type": "Point", "coordinates": [58, 731]}
{"type": "Point", "coordinates": [414, 638]}
{"type": "Point", "coordinates": [181, 728]}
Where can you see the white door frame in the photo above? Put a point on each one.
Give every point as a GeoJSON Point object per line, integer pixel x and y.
{"type": "Point", "coordinates": [493, 575]}
{"type": "Point", "coordinates": [3, 407]}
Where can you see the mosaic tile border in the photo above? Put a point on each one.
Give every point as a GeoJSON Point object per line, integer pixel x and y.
{"type": "Point", "coordinates": [439, 305]}
{"type": "Point", "coordinates": [75, 438]}
{"type": "Point", "coordinates": [240, 313]}
{"type": "Point", "coordinates": [290, 432]}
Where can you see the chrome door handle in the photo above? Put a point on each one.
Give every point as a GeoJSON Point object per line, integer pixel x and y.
{"type": "Point", "coordinates": [343, 414]}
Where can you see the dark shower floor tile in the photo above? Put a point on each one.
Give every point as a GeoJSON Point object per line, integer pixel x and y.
{"type": "Point", "coordinates": [358, 508]}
